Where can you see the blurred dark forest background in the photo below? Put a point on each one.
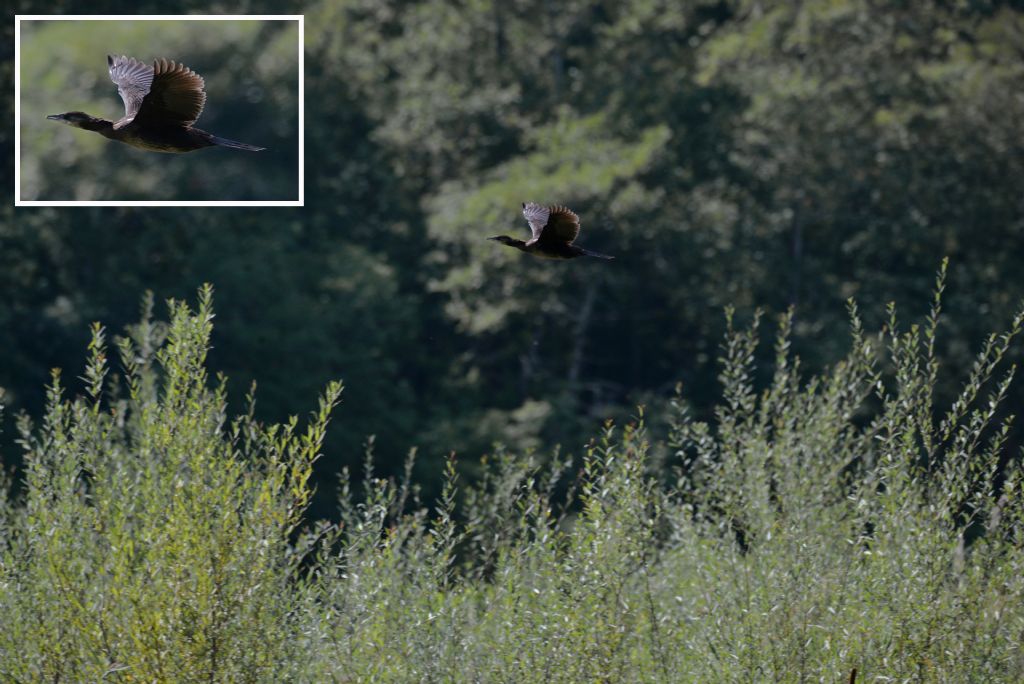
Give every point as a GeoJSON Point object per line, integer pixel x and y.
{"type": "Point", "coordinates": [747, 153]}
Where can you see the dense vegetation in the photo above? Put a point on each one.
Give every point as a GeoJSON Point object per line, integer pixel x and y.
{"type": "Point", "coordinates": [728, 152]}
{"type": "Point", "coordinates": [814, 527]}
{"type": "Point", "coordinates": [789, 512]}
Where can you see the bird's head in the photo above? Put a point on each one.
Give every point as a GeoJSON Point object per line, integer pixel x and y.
{"type": "Point", "coordinates": [506, 240]}
{"type": "Point", "coordinates": [76, 119]}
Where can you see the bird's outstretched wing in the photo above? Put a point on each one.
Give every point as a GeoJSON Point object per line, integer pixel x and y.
{"type": "Point", "coordinates": [133, 80]}
{"type": "Point", "coordinates": [562, 226]}
{"type": "Point", "coordinates": [537, 217]}
{"type": "Point", "coordinates": [165, 93]}
{"type": "Point", "coordinates": [176, 96]}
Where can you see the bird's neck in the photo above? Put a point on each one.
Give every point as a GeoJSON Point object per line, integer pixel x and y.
{"type": "Point", "coordinates": [96, 124]}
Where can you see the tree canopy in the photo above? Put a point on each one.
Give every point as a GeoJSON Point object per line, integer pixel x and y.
{"type": "Point", "coordinates": [729, 153]}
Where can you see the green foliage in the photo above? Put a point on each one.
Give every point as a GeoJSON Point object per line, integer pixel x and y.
{"type": "Point", "coordinates": [812, 526]}
{"type": "Point", "coordinates": [151, 540]}
{"type": "Point", "coordinates": [727, 152]}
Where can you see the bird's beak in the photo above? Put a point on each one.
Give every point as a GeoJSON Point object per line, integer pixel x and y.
{"type": "Point", "coordinates": [56, 117]}
{"type": "Point", "coordinates": [493, 238]}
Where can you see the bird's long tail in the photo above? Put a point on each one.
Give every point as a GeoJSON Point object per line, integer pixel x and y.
{"type": "Point", "coordinates": [587, 252]}
{"type": "Point", "coordinates": [234, 144]}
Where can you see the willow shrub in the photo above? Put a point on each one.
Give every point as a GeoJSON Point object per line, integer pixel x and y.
{"type": "Point", "coordinates": [812, 528]}
{"type": "Point", "coordinates": [151, 541]}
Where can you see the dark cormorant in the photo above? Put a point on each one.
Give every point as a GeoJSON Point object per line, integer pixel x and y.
{"type": "Point", "coordinates": [161, 102]}
{"type": "Point", "coordinates": [554, 229]}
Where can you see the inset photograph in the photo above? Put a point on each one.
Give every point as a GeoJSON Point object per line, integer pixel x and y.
{"type": "Point", "coordinates": [178, 111]}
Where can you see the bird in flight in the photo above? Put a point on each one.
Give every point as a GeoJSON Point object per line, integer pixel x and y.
{"type": "Point", "coordinates": [161, 102]}
{"type": "Point", "coordinates": [554, 230]}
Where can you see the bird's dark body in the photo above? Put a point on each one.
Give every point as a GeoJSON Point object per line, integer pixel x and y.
{"type": "Point", "coordinates": [161, 103]}
{"type": "Point", "coordinates": [554, 229]}
{"type": "Point", "coordinates": [558, 250]}
{"type": "Point", "coordinates": [169, 139]}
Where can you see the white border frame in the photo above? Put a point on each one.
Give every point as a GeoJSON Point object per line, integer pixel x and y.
{"type": "Point", "coordinates": [18, 18]}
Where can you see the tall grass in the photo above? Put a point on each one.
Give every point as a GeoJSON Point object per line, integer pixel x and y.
{"type": "Point", "coordinates": [812, 527]}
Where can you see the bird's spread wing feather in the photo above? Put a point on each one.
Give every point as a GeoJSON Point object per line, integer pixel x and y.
{"type": "Point", "coordinates": [562, 225]}
{"type": "Point", "coordinates": [537, 217]}
{"type": "Point", "coordinates": [133, 80]}
{"type": "Point", "coordinates": [176, 96]}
